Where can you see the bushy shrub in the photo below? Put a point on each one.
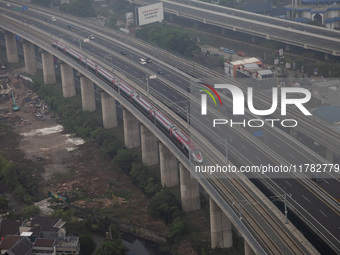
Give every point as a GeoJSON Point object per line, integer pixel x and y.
{"type": "Point", "coordinates": [165, 206]}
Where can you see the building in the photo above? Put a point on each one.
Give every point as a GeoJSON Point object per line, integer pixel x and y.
{"type": "Point", "coordinates": [41, 235]}
{"type": "Point", "coordinates": [320, 12]}
{"type": "Point", "coordinates": [328, 92]}
{"type": "Point", "coordinates": [231, 68]}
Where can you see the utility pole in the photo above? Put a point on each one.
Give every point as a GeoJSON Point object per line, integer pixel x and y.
{"type": "Point", "coordinates": [284, 196]}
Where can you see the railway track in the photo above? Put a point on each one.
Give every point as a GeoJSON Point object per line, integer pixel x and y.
{"type": "Point", "coordinates": [319, 132]}
{"type": "Point", "coordinates": [250, 222]}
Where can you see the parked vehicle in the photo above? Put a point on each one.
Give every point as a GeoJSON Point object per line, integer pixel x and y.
{"type": "Point", "coordinates": [53, 19]}
{"type": "Point", "coordinates": [123, 52]}
{"type": "Point", "coordinates": [231, 52]}
{"type": "Point", "coordinates": [92, 37]}
{"type": "Point", "coordinates": [241, 54]}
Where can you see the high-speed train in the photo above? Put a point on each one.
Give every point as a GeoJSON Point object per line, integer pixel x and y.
{"type": "Point", "coordinates": [162, 122]}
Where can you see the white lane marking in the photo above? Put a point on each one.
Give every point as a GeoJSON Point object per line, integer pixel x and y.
{"type": "Point", "coordinates": [288, 183]}
{"type": "Point", "coordinates": [243, 146]}
{"type": "Point", "coordinates": [323, 213]}
{"type": "Point", "coordinates": [179, 81]}
{"type": "Point", "coordinates": [325, 181]}
{"type": "Point", "coordinates": [291, 155]}
{"type": "Point", "coordinates": [305, 198]}
{"type": "Point", "coordinates": [257, 158]}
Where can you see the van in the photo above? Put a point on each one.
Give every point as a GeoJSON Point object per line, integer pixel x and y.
{"type": "Point", "coordinates": [142, 61]}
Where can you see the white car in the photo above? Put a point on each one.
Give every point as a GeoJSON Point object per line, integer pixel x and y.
{"type": "Point", "coordinates": [92, 37]}
{"type": "Point", "coordinates": [53, 19]}
{"type": "Point", "coordinates": [142, 61]}
{"type": "Point", "coordinates": [8, 5]}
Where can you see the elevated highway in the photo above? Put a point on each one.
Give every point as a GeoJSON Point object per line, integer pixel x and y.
{"type": "Point", "coordinates": [302, 35]}
{"type": "Point", "coordinates": [54, 32]}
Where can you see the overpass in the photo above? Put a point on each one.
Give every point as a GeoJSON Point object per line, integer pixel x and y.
{"type": "Point", "coordinates": [96, 82]}
{"type": "Point", "coordinates": [292, 33]}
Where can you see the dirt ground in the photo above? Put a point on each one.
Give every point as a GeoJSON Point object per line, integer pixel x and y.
{"type": "Point", "coordinates": [74, 167]}
{"type": "Point", "coordinates": [71, 165]}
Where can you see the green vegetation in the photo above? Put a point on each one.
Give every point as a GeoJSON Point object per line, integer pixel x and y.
{"type": "Point", "coordinates": [3, 205]}
{"type": "Point", "coordinates": [30, 211]}
{"type": "Point", "coordinates": [112, 22]}
{"type": "Point", "coordinates": [19, 182]}
{"type": "Point", "coordinates": [124, 159]}
{"type": "Point", "coordinates": [87, 245]}
{"type": "Point", "coordinates": [120, 8]}
{"type": "Point", "coordinates": [165, 206]}
{"type": "Point", "coordinates": [45, 3]}
{"type": "Point", "coordinates": [169, 38]}
{"type": "Point", "coordinates": [114, 245]}
{"type": "Point", "coordinates": [80, 8]}
{"type": "Point", "coordinates": [148, 183]}
{"type": "Point", "coordinates": [111, 247]}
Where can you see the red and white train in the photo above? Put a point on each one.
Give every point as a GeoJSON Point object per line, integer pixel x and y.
{"type": "Point", "coordinates": [163, 123]}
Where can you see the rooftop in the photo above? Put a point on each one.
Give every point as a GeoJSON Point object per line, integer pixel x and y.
{"type": "Point", "coordinates": [8, 242]}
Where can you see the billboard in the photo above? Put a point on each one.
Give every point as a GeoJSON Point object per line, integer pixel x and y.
{"type": "Point", "coordinates": [150, 13]}
{"type": "Point", "coordinates": [129, 18]}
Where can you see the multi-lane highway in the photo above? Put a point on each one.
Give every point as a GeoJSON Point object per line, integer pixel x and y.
{"type": "Point", "coordinates": [307, 201]}
{"type": "Point", "coordinates": [270, 28]}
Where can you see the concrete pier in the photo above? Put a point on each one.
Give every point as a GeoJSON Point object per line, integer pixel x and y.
{"type": "Point", "coordinates": [220, 227]}
{"type": "Point", "coordinates": [131, 130]}
{"type": "Point", "coordinates": [29, 56]}
{"type": "Point", "coordinates": [247, 249]}
{"type": "Point", "coordinates": [48, 68]}
{"type": "Point", "coordinates": [11, 48]}
{"type": "Point", "coordinates": [108, 111]}
{"type": "Point", "coordinates": [168, 166]}
{"type": "Point", "coordinates": [190, 196]}
{"type": "Point", "coordinates": [87, 94]}
{"type": "Point", "coordinates": [67, 80]}
{"type": "Point", "coordinates": [149, 145]}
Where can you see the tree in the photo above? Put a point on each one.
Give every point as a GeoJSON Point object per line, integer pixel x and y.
{"type": "Point", "coordinates": [87, 245]}
{"type": "Point", "coordinates": [124, 159]}
{"type": "Point", "coordinates": [112, 23]}
{"type": "Point", "coordinates": [30, 211]}
{"type": "Point", "coordinates": [177, 229]}
{"type": "Point", "coordinates": [112, 247]}
{"type": "Point", "coordinates": [3, 204]}
{"type": "Point", "coordinates": [164, 205]}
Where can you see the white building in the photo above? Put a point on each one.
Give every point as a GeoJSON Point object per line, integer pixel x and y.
{"type": "Point", "coordinates": [321, 12]}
